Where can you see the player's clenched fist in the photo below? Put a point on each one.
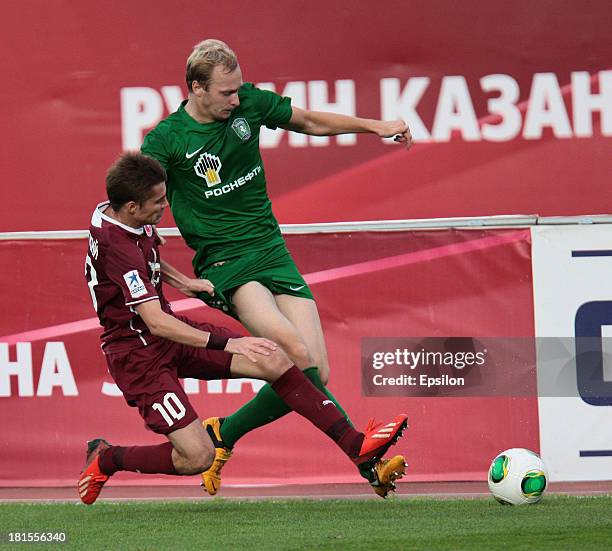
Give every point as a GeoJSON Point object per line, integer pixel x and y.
{"type": "Point", "coordinates": [398, 130]}
{"type": "Point", "coordinates": [195, 286]}
{"type": "Point", "coordinates": [250, 347]}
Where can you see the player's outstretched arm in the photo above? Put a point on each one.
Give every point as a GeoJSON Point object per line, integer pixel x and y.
{"type": "Point", "coordinates": [164, 325]}
{"type": "Point", "coordinates": [186, 285]}
{"type": "Point", "coordinates": [320, 123]}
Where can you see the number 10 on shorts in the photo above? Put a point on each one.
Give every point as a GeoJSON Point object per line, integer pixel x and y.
{"type": "Point", "coordinates": [171, 408]}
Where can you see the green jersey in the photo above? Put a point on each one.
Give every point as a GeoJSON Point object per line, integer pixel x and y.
{"type": "Point", "coordinates": [216, 180]}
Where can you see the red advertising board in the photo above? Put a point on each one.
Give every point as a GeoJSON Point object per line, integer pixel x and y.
{"type": "Point", "coordinates": [56, 393]}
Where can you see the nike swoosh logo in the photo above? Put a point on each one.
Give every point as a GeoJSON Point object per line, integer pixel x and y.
{"type": "Point", "coordinates": [189, 155]}
{"type": "Point", "coordinates": [296, 288]}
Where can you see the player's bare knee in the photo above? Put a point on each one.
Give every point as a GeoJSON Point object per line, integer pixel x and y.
{"type": "Point", "coordinates": [199, 461]}
{"type": "Point", "coordinates": [194, 457]}
{"type": "Point", "coordinates": [274, 365]}
{"type": "Point", "coordinates": [299, 354]}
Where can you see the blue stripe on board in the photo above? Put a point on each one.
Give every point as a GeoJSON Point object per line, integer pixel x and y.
{"type": "Point", "coordinates": [601, 252]}
{"type": "Point", "coordinates": [595, 453]}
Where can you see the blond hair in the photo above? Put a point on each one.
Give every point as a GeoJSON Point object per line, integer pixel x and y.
{"type": "Point", "coordinates": [205, 57]}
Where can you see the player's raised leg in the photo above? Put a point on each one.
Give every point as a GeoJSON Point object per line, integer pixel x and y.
{"type": "Point", "coordinates": [300, 395]}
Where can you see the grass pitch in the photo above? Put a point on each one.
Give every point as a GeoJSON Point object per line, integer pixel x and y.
{"type": "Point", "coordinates": [558, 522]}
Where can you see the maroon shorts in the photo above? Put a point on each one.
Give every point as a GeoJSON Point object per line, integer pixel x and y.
{"type": "Point", "coordinates": [149, 377]}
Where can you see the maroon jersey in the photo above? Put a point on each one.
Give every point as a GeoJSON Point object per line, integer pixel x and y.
{"type": "Point", "coordinates": [122, 268]}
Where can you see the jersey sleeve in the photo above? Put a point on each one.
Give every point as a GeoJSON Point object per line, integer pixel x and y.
{"type": "Point", "coordinates": [155, 146]}
{"type": "Point", "coordinates": [126, 267]}
{"type": "Point", "coordinates": [274, 109]}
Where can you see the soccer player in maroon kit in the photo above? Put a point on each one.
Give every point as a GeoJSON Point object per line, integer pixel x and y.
{"type": "Point", "coordinates": [148, 348]}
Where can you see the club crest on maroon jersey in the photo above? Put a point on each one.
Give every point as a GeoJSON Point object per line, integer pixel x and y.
{"type": "Point", "coordinates": [148, 230]}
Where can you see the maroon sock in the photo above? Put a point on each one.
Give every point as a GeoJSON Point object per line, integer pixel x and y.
{"type": "Point", "coordinates": [140, 459]}
{"type": "Point", "coordinates": [298, 392]}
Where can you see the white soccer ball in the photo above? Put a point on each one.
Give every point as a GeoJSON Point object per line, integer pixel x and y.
{"type": "Point", "coordinates": [518, 476]}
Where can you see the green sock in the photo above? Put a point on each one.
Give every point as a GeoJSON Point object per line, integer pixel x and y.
{"type": "Point", "coordinates": [264, 408]}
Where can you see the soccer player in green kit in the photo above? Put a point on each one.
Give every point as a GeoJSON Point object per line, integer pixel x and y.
{"type": "Point", "coordinates": [217, 193]}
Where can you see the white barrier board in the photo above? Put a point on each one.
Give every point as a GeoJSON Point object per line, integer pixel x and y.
{"type": "Point", "coordinates": [572, 280]}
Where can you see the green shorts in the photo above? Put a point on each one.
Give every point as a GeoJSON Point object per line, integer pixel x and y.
{"type": "Point", "coordinates": [273, 268]}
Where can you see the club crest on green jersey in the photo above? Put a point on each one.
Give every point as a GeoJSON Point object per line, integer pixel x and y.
{"type": "Point", "coordinates": [208, 167]}
{"type": "Point", "coordinates": [242, 128]}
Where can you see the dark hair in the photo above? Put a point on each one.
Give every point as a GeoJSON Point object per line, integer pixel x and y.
{"type": "Point", "coordinates": [131, 178]}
